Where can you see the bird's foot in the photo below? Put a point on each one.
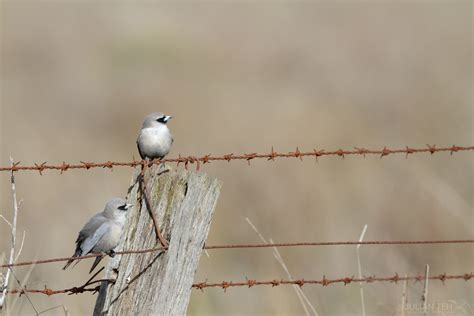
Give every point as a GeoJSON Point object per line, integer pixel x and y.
{"type": "Point", "coordinates": [154, 161]}
{"type": "Point", "coordinates": [162, 164]}
{"type": "Point", "coordinates": [111, 253]}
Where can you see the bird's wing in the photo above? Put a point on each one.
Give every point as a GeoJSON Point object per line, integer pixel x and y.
{"type": "Point", "coordinates": [92, 225]}
{"type": "Point", "coordinates": [89, 243]}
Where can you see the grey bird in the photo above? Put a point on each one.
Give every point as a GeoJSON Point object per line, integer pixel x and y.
{"type": "Point", "coordinates": [155, 139]}
{"type": "Point", "coordinates": [102, 232]}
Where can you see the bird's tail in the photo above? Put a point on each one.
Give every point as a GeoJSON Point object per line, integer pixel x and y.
{"type": "Point", "coordinates": [68, 263]}
{"type": "Point", "coordinates": [96, 262]}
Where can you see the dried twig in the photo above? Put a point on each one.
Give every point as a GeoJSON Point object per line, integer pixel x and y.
{"type": "Point", "coordinates": [26, 294]}
{"type": "Point", "coordinates": [26, 277]}
{"type": "Point", "coordinates": [21, 246]}
{"type": "Point", "coordinates": [6, 221]}
{"type": "Point", "coordinates": [424, 297]}
{"type": "Point", "coordinates": [13, 237]}
{"type": "Point", "coordinates": [52, 308]}
{"type": "Point", "coordinates": [284, 266]}
{"type": "Point", "coordinates": [299, 292]}
{"type": "Point", "coordinates": [404, 295]}
{"type": "Point", "coordinates": [359, 268]}
{"type": "Point", "coordinates": [279, 258]}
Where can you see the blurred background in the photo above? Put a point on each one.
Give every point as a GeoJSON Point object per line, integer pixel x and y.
{"type": "Point", "coordinates": [78, 78]}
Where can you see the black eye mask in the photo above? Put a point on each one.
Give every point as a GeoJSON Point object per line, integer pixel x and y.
{"type": "Point", "coordinates": [123, 207]}
{"type": "Point", "coordinates": [162, 120]}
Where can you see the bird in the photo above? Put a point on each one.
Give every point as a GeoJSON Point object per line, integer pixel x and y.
{"type": "Point", "coordinates": [154, 140]}
{"type": "Point", "coordinates": [101, 234]}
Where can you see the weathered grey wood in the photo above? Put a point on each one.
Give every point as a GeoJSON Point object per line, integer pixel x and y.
{"type": "Point", "coordinates": [160, 283]}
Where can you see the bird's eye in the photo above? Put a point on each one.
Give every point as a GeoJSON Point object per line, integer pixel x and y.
{"type": "Point", "coordinates": [162, 119]}
{"type": "Point", "coordinates": [123, 207]}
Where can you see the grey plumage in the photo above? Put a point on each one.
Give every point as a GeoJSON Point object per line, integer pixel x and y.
{"type": "Point", "coordinates": [101, 233]}
{"type": "Point", "coordinates": [154, 140]}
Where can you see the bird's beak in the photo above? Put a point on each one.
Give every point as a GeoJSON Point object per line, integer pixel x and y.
{"type": "Point", "coordinates": [127, 206]}
{"type": "Point", "coordinates": [167, 118]}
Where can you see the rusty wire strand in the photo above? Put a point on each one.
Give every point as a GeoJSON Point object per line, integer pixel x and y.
{"type": "Point", "coordinates": [325, 282]}
{"type": "Point", "coordinates": [273, 283]}
{"type": "Point", "coordinates": [186, 160]}
{"type": "Point", "coordinates": [144, 191]}
{"type": "Point", "coordinates": [246, 246]}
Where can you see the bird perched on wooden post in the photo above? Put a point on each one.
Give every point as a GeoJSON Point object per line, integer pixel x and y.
{"type": "Point", "coordinates": [154, 142]}
{"type": "Point", "coordinates": [155, 139]}
{"type": "Point", "coordinates": [101, 234]}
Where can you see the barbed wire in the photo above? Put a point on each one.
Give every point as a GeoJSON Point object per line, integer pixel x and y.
{"type": "Point", "coordinates": [94, 286]}
{"type": "Point", "coordinates": [186, 160]}
{"type": "Point", "coordinates": [326, 282]}
{"type": "Point", "coordinates": [252, 282]}
{"type": "Point", "coordinates": [247, 246]}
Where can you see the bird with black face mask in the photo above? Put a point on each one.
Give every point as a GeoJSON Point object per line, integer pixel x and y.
{"type": "Point", "coordinates": [155, 139]}
{"type": "Point", "coordinates": [101, 234]}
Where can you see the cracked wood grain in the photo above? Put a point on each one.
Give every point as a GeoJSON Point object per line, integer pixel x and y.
{"type": "Point", "coordinates": [160, 283]}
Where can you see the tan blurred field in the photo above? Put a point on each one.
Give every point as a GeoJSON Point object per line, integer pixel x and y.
{"type": "Point", "coordinates": [78, 77]}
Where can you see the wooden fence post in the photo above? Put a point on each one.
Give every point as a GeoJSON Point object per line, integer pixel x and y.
{"type": "Point", "coordinates": [160, 283]}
